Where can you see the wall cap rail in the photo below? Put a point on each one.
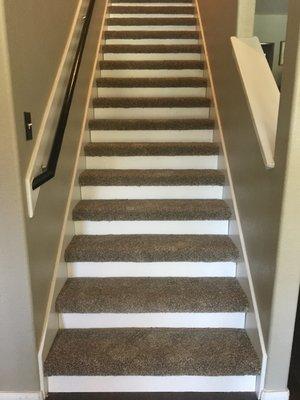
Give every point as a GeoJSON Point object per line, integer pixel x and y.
{"type": "Point", "coordinates": [261, 91]}
{"type": "Point", "coordinates": [48, 143]}
{"type": "Point", "coordinates": [50, 169]}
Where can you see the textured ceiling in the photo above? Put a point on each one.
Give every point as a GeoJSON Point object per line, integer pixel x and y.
{"type": "Point", "coordinates": [271, 6]}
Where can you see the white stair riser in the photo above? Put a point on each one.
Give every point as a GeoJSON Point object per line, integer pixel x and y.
{"type": "Point", "coordinates": [151, 41]}
{"type": "Point", "coordinates": [151, 113]}
{"type": "Point", "coordinates": [155, 162]}
{"type": "Point", "coordinates": [151, 92]}
{"type": "Point", "coordinates": [152, 56]}
{"type": "Point", "coordinates": [151, 192]}
{"type": "Point", "coordinates": [151, 383]}
{"type": "Point", "coordinates": [152, 136]}
{"type": "Point", "coordinates": [234, 320]}
{"type": "Point", "coordinates": [145, 4]}
{"type": "Point", "coordinates": [151, 227]}
{"type": "Point", "coordinates": [151, 73]}
{"type": "Point", "coordinates": [160, 15]}
{"type": "Point", "coordinates": [152, 28]}
{"type": "Point", "coordinates": [151, 269]}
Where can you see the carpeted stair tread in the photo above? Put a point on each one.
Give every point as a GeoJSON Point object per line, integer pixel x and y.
{"type": "Point", "coordinates": [151, 34]}
{"type": "Point", "coordinates": [151, 10]}
{"type": "Point", "coordinates": [124, 149]}
{"type": "Point", "coordinates": [151, 102]}
{"type": "Point", "coordinates": [152, 82]}
{"type": "Point", "coordinates": [151, 124]}
{"type": "Point", "coordinates": [151, 248]}
{"type": "Point", "coordinates": [151, 210]}
{"type": "Point", "coordinates": [153, 177]}
{"type": "Point", "coordinates": [140, 21]}
{"type": "Point", "coordinates": [151, 64]}
{"type": "Point", "coordinates": [151, 295]}
{"type": "Point", "coordinates": [151, 48]}
{"type": "Point", "coordinates": [152, 351]}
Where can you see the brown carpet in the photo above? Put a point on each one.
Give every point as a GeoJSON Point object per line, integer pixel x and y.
{"type": "Point", "coordinates": [151, 248]}
{"type": "Point", "coordinates": [152, 351]}
{"type": "Point", "coordinates": [151, 210]}
{"type": "Point", "coordinates": [151, 295]}
{"type": "Point", "coordinates": [154, 177]}
{"type": "Point", "coordinates": [134, 149]}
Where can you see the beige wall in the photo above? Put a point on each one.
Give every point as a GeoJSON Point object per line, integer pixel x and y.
{"type": "Point", "coordinates": [268, 200]}
{"type": "Point", "coordinates": [272, 28]}
{"type": "Point", "coordinates": [36, 36]}
{"type": "Point", "coordinates": [287, 278]}
{"type": "Point", "coordinates": [272, 7]}
{"type": "Point", "coordinates": [245, 17]}
{"type": "Point", "coordinates": [18, 362]}
{"type": "Point", "coordinates": [35, 50]}
{"type": "Point", "coordinates": [258, 190]}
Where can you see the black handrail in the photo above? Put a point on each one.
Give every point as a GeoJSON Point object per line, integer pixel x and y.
{"type": "Point", "coordinates": [49, 172]}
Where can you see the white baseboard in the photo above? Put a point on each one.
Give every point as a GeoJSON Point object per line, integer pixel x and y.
{"type": "Point", "coordinates": [21, 396]}
{"type": "Point", "coordinates": [272, 395]}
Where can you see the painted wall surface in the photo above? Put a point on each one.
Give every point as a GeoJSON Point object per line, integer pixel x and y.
{"type": "Point", "coordinates": [272, 28]}
{"type": "Point", "coordinates": [245, 17]}
{"type": "Point", "coordinates": [258, 191]}
{"type": "Point", "coordinates": [272, 6]}
{"type": "Point", "coordinates": [268, 200]}
{"type": "Point", "coordinates": [35, 50]}
{"type": "Point", "coordinates": [18, 361]}
{"type": "Point", "coordinates": [287, 279]}
{"type": "Point", "coordinates": [31, 54]}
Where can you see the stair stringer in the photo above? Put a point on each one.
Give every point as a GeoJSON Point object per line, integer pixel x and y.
{"type": "Point", "coordinates": [60, 272]}
{"type": "Point", "coordinates": [252, 321]}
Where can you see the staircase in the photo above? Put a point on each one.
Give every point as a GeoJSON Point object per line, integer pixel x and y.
{"type": "Point", "coordinates": [152, 303]}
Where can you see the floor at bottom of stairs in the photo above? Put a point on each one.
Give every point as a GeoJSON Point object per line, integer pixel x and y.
{"type": "Point", "coordinates": [152, 396]}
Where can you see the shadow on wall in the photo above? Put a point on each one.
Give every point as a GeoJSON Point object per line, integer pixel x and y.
{"type": "Point", "coordinates": [270, 28]}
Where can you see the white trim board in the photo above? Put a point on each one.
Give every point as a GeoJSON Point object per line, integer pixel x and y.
{"type": "Point", "coordinates": [152, 383]}
{"type": "Point", "coordinates": [235, 320]}
{"type": "Point", "coordinates": [152, 162]}
{"type": "Point", "coordinates": [150, 73]}
{"type": "Point", "coordinates": [151, 91]}
{"type": "Point", "coordinates": [151, 41]}
{"type": "Point", "coordinates": [152, 56]}
{"type": "Point", "coordinates": [21, 396]}
{"type": "Point", "coordinates": [133, 15]}
{"type": "Point", "coordinates": [209, 227]}
{"type": "Point", "coordinates": [151, 28]}
{"type": "Point", "coordinates": [151, 112]}
{"type": "Point", "coordinates": [151, 269]}
{"type": "Point", "coordinates": [261, 92]}
{"type": "Point", "coordinates": [151, 192]}
{"type": "Point", "coordinates": [204, 135]}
